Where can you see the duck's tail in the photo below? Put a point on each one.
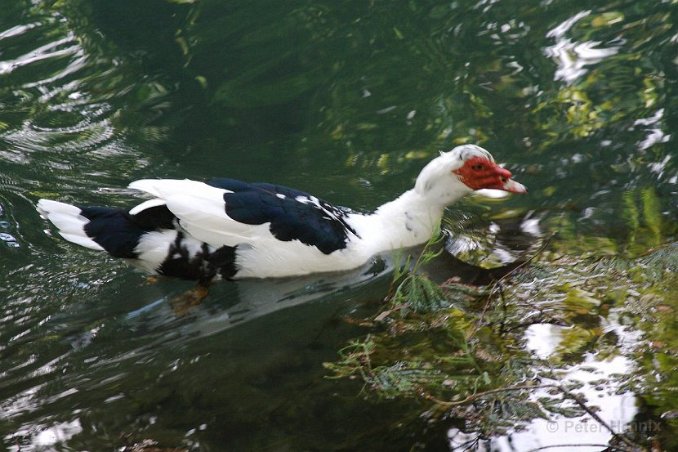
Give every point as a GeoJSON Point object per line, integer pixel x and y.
{"type": "Point", "coordinates": [147, 235]}
{"type": "Point", "coordinates": [70, 221]}
{"type": "Point", "coordinates": [99, 228]}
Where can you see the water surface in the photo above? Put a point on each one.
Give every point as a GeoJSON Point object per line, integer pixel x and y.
{"type": "Point", "coordinates": [347, 100]}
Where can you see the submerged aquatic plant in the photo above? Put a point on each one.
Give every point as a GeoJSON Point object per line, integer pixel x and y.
{"type": "Point", "coordinates": [463, 349]}
{"type": "Point", "coordinates": [409, 290]}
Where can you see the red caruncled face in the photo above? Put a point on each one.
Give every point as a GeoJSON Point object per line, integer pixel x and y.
{"type": "Point", "coordinates": [479, 172]}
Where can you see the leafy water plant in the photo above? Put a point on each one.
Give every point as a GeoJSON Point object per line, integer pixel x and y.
{"type": "Point", "coordinates": [410, 291]}
{"type": "Point", "coordinates": [463, 350]}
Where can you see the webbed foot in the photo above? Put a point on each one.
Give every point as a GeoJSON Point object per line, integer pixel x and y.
{"type": "Point", "coordinates": [183, 303]}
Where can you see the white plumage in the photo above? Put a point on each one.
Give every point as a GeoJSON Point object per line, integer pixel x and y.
{"type": "Point", "coordinates": [235, 229]}
{"type": "Point", "coordinates": [199, 208]}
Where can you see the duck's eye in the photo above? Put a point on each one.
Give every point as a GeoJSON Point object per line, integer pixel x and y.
{"type": "Point", "coordinates": [477, 167]}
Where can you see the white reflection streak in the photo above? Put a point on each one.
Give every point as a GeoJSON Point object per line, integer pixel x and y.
{"type": "Point", "coordinates": [18, 30]}
{"type": "Point", "coordinates": [41, 53]}
{"type": "Point", "coordinates": [43, 437]}
{"type": "Point", "coordinates": [573, 57]}
{"type": "Point", "coordinates": [58, 433]}
{"type": "Point", "coordinates": [655, 135]}
{"type": "Point", "coordinates": [23, 402]}
{"type": "Point", "coordinates": [563, 28]}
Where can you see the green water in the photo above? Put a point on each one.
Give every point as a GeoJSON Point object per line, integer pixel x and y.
{"type": "Point", "coordinates": [347, 100]}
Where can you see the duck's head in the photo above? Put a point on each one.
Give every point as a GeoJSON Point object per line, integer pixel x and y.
{"type": "Point", "coordinates": [460, 171]}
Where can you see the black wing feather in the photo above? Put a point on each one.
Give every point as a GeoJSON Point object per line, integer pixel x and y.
{"type": "Point", "coordinates": [293, 214]}
{"type": "Point", "coordinates": [235, 185]}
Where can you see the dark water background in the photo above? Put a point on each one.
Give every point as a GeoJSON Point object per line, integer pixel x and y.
{"type": "Point", "coordinates": [347, 100]}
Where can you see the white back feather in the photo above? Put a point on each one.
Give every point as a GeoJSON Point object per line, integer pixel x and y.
{"type": "Point", "coordinates": [147, 205]}
{"type": "Point", "coordinates": [201, 211]}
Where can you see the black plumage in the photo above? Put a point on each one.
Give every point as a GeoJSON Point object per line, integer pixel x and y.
{"type": "Point", "coordinates": [203, 265]}
{"type": "Point", "coordinates": [119, 233]}
{"type": "Point", "coordinates": [114, 229]}
{"type": "Point", "coordinates": [292, 214]}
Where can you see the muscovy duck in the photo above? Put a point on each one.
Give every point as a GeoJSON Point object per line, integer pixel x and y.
{"type": "Point", "coordinates": [232, 229]}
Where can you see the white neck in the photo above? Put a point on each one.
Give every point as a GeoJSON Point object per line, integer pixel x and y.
{"type": "Point", "coordinates": [406, 221]}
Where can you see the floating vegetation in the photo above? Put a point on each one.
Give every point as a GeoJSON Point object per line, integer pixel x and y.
{"type": "Point", "coordinates": [479, 359]}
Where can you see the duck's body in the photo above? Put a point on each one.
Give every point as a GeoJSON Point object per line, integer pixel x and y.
{"type": "Point", "coordinates": [232, 229]}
